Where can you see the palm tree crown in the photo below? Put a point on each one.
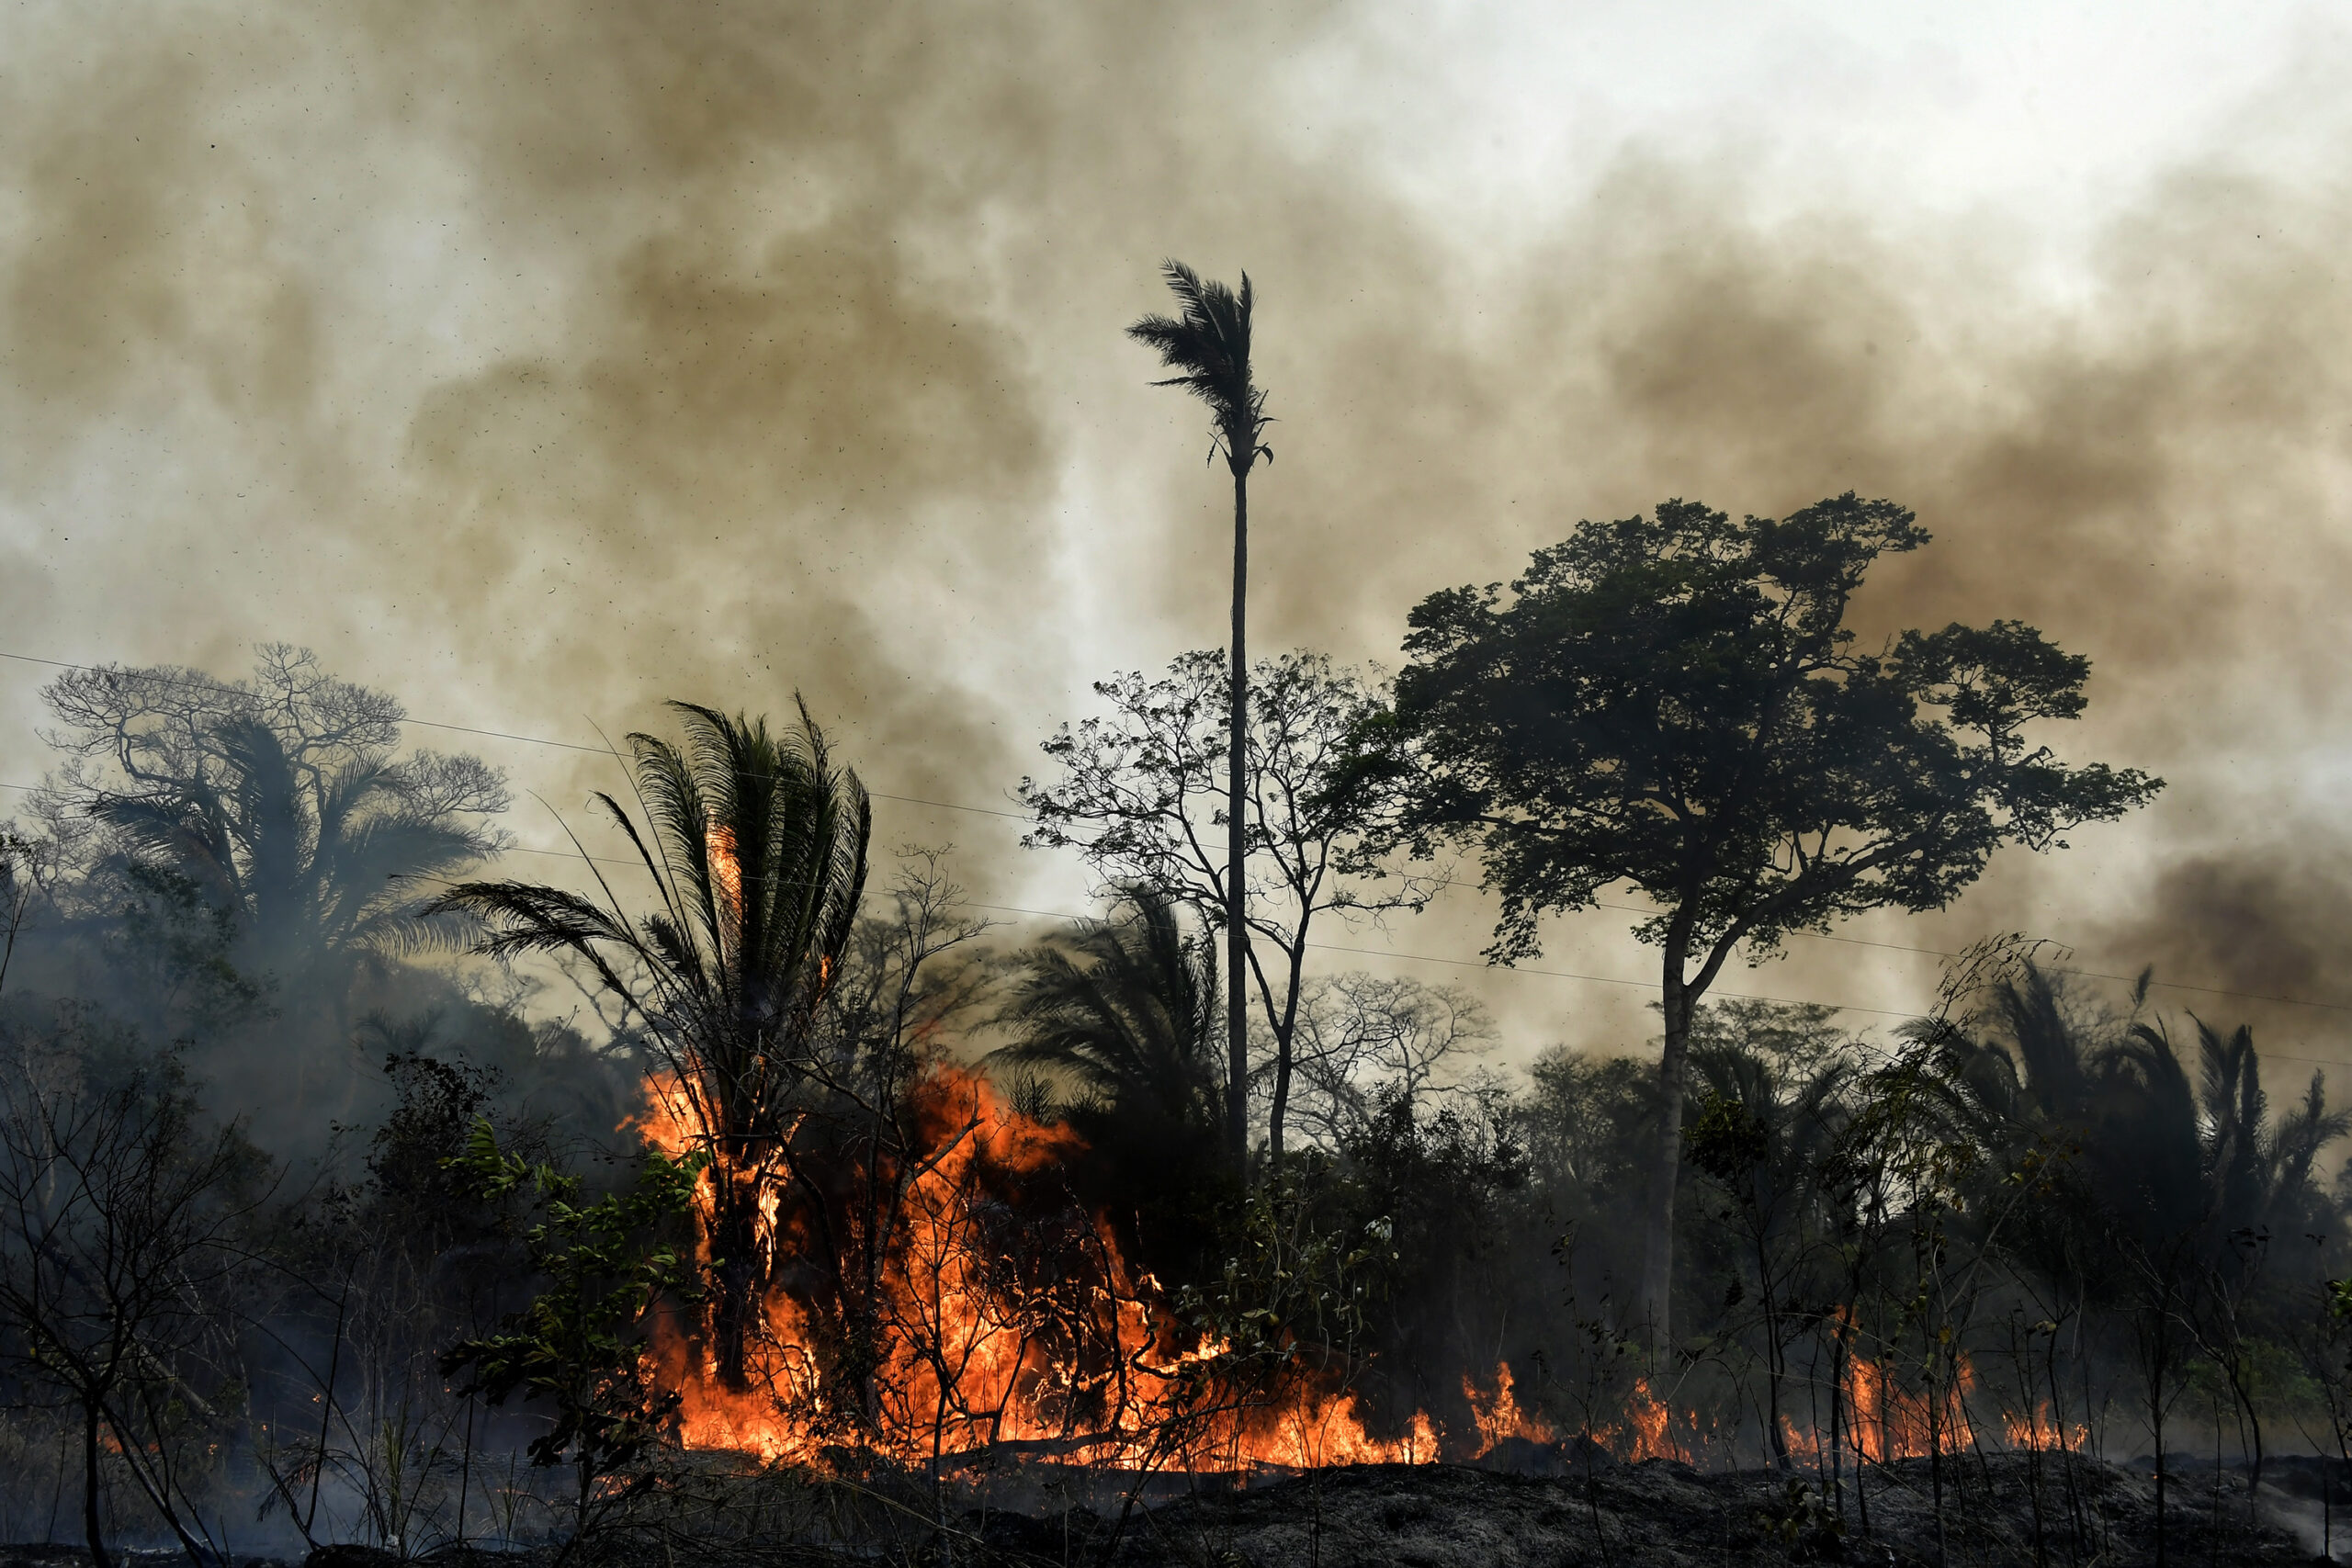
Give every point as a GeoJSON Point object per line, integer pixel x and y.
{"type": "Point", "coordinates": [310, 861]}
{"type": "Point", "coordinates": [280, 797]}
{"type": "Point", "coordinates": [756, 848]}
{"type": "Point", "coordinates": [757, 853]}
{"type": "Point", "coordinates": [1128, 1010]}
{"type": "Point", "coordinates": [1208, 342]}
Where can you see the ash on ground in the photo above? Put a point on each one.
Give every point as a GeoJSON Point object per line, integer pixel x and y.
{"type": "Point", "coordinates": [2018, 1510]}
{"type": "Point", "coordinates": [2043, 1510]}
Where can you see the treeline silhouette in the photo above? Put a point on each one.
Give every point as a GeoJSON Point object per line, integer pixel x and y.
{"type": "Point", "coordinates": [350, 1193]}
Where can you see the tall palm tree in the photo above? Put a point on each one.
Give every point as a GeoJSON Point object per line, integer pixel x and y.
{"type": "Point", "coordinates": [756, 846]}
{"type": "Point", "coordinates": [1208, 344]}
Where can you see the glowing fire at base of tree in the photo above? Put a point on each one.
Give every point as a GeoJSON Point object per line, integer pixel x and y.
{"type": "Point", "coordinates": [2038, 1429]}
{"type": "Point", "coordinates": [1497, 1415]}
{"type": "Point", "coordinates": [993, 1326]}
{"type": "Point", "coordinates": [973, 1345]}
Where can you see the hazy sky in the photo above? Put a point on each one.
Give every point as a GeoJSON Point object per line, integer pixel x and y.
{"type": "Point", "coordinates": [539, 362]}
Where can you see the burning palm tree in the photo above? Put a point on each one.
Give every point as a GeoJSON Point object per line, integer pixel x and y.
{"type": "Point", "coordinates": [1208, 344]}
{"type": "Point", "coordinates": [756, 846]}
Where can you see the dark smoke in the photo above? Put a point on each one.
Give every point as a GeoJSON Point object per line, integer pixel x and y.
{"type": "Point", "coordinates": [2264, 920]}
{"type": "Point", "coordinates": [544, 364]}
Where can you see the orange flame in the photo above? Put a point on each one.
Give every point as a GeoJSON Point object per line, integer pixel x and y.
{"type": "Point", "coordinates": [1646, 1427]}
{"type": "Point", "coordinates": [726, 871]}
{"type": "Point", "coordinates": [1087, 1366]}
{"type": "Point", "coordinates": [1890, 1422]}
{"type": "Point", "coordinates": [2040, 1430]}
{"type": "Point", "coordinates": [1497, 1415]}
{"type": "Point", "coordinates": [1652, 1423]}
{"type": "Point", "coordinates": [1088, 1362]}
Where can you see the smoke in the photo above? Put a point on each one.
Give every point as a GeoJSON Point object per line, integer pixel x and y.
{"type": "Point", "coordinates": [541, 363]}
{"type": "Point", "coordinates": [2265, 921]}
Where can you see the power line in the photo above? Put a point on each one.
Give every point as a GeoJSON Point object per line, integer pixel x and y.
{"type": "Point", "coordinates": [1611, 979]}
{"type": "Point", "coordinates": [2086, 974]}
{"type": "Point", "coordinates": [1319, 946]}
{"type": "Point", "coordinates": [1471, 962]}
{"type": "Point", "coordinates": [1506, 969]}
{"type": "Point", "coordinates": [1615, 980]}
{"type": "Point", "coordinates": [203, 684]}
{"type": "Point", "coordinates": [950, 805]}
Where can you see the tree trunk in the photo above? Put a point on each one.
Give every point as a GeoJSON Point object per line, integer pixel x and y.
{"type": "Point", "coordinates": [733, 1231]}
{"type": "Point", "coordinates": [1285, 1031]}
{"type": "Point", "coordinates": [1280, 1110]}
{"type": "Point", "coordinates": [2157, 1429]}
{"type": "Point", "coordinates": [90, 1527]}
{"type": "Point", "coordinates": [1666, 1164]}
{"type": "Point", "coordinates": [1236, 934]}
{"type": "Point", "coordinates": [1838, 1417]}
{"type": "Point", "coordinates": [1772, 1353]}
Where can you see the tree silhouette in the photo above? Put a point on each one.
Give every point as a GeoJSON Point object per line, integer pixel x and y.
{"type": "Point", "coordinates": [125, 1223]}
{"type": "Point", "coordinates": [1142, 786]}
{"type": "Point", "coordinates": [1773, 1086]}
{"type": "Point", "coordinates": [280, 797]}
{"type": "Point", "coordinates": [1208, 343]}
{"type": "Point", "coordinates": [1126, 1008]}
{"type": "Point", "coordinates": [1675, 702]}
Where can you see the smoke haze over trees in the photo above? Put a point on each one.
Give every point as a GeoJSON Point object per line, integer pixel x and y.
{"type": "Point", "coordinates": [509, 387]}
{"type": "Point", "coordinates": [396, 401]}
{"type": "Point", "coordinates": [903, 1191]}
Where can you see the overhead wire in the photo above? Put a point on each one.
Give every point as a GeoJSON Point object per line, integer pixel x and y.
{"type": "Point", "coordinates": [201, 683]}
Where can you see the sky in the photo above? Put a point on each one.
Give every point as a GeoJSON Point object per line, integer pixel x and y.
{"type": "Point", "coordinates": [539, 363]}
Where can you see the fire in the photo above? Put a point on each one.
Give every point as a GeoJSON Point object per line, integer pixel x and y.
{"type": "Point", "coordinates": [1319, 1430]}
{"type": "Point", "coordinates": [2040, 1430]}
{"type": "Point", "coordinates": [1497, 1415]}
{"type": "Point", "coordinates": [668, 1121]}
{"type": "Point", "coordinates": [726, 880]}
{"type": "Point", "coordinates": [1651, 1422]}
{"type": "Point", "coordinates": [726, 871]}
{"type": "Point", "coordinates": [1890, 1422]}
{"type": "Point", "coordinates": [1005, 1321]}
{"type": "Point", "coordinates": [1072, 1355]}
{"type": "Point", "coordinates": [1645, 1428]}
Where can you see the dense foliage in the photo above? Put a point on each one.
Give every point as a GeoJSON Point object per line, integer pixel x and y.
{"type": "Point", "coordinates": [1677, 704]}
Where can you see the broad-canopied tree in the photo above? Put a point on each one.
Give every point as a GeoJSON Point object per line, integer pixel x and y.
{"type": "Point", "coordinates": [1675, 703]}
{"type": "Point", "coordinates": [280, 796]}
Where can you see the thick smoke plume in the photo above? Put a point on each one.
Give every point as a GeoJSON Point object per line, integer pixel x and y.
{"type": "Point", "coordinates": [540, 364]}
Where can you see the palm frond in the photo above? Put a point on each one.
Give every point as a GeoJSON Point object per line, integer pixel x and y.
{"type": "Point", "coordinates": [1127, 1007]}
{"type": "Point", "coordinates": [1207, 343]}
